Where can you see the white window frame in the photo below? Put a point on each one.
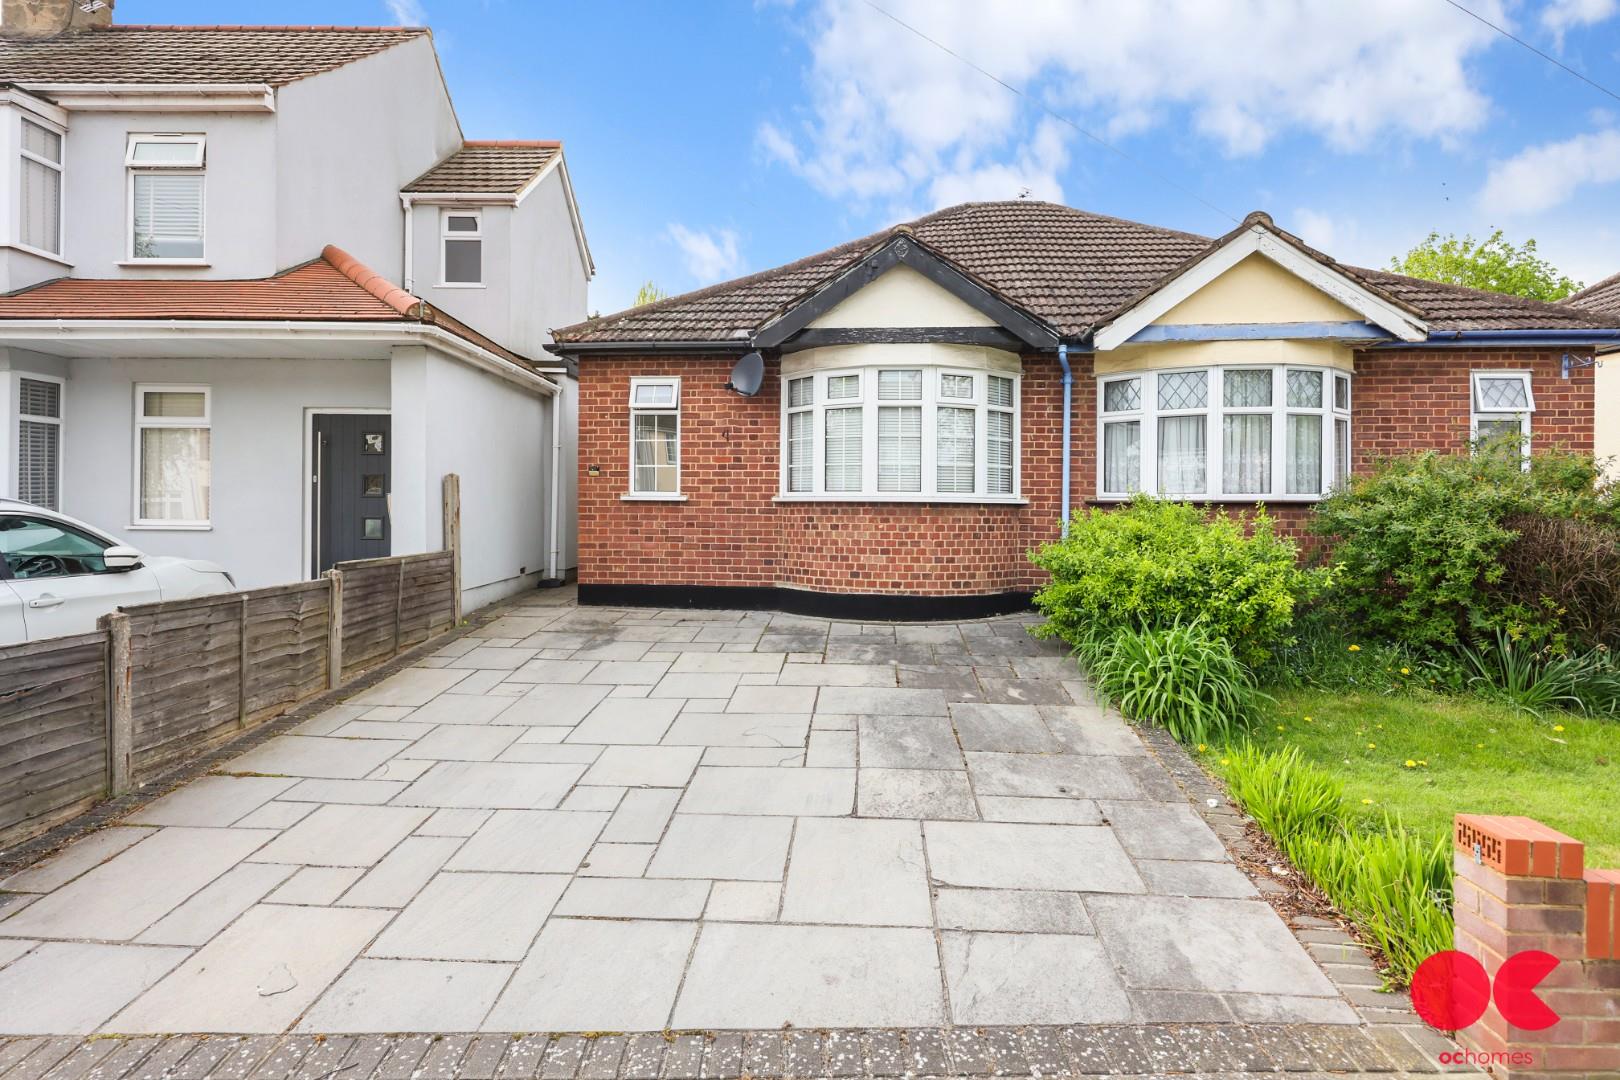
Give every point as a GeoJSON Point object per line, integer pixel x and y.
{"type": "Point", "coordinates": [671, 409]}
{"type": "Point", "coordinates": [1478, 412]}
{"type": "Point", "coordinates": [1215, 409]}
{"type": "Point", "coordinates": [25, 154]}
{"type": "Point", "coordinates": [930, 402]}
{"type": "Point", "coordinates": [142, 422]}
{"type": "Point", "coordinates": [445, 236]}
{"type": "Point", "coordinates": [132, 168]}
{"type": "Point", "coordinates": [58, 421]}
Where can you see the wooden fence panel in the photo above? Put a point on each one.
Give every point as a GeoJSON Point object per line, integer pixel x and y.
{"type": "Point", "coordinates": [286, 646]}
{"type": "Point", "coordinates": [370, 604]}
{"type": "Point", "coordinates": [53, 731]}
{"type": "Point", "coordinates": [428, 602]}
{"type": "Point", "coordinates": [186, 663]}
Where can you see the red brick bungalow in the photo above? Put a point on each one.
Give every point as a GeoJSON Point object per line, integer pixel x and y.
{"type": "Point", "coordinates": [907, 444]}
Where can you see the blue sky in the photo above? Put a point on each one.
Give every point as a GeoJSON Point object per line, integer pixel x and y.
{"type": "Point", "coordinates": [708, 140]}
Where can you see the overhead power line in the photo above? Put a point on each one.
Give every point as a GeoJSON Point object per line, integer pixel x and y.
{"type": "Point", "coordinates": [1098, 139]}
{"type": "Point", "coordinates": [1553, 60]}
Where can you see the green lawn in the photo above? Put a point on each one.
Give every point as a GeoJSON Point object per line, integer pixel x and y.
{"type": "Point", "coordinates": [1467, 755]}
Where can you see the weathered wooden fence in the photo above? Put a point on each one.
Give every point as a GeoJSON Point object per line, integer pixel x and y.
{"type": "Point", "coordinates": [87, 717]}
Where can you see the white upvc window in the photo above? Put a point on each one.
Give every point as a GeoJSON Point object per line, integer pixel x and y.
{"type": "Point", "coordinates": [166, 197]}
{"type": "Point", "coordinates": [655, 438]}
{"type": "Point", "coordinates": [40, 188]}
{"type": "Point", "coordinates": [1502, 402]}
{"type": "Point", "coordinates": [173, 455]}
{"type": "Point", "coordinates": [1266, 432]}
{"type": "Point", "coordinates": [39, 440]}
{"type": "Point", "coordinates": [900, 432]}
{"type": "Point", "coordinates": [461, 248]}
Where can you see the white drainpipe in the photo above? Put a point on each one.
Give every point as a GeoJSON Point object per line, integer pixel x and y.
{"type": "Point", "coordinates": [407, 277]}
{"type": "Point", "coordinates": [552, 569]}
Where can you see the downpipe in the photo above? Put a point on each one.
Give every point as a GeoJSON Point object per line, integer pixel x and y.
{"type": "Point", "coordinates": [1068, 394]}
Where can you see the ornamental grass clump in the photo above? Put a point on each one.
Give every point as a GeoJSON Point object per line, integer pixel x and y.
{"type": "Point", "coordinates": [1184, 678]}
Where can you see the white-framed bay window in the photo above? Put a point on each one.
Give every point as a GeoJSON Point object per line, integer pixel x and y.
{"type": "Point", "coordinates": [1261, 432]}
{"type": "Point", "coordinates": [655, 438]}
{"type": "Point", "coordinates": [900, 432]}
{"type": "Point", "coordinates": [173, 456]}
{"type": "Point", "coordinates": [39, 189]}
{"type": "Point", "coordinates": [166, 198]}
{"type": "Point", "coordinates": [1500, 409]}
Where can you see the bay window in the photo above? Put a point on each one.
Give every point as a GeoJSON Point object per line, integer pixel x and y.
{"type": "Point", "coordinates": [40, 190]}
{"type": "Point", "coordinates": [1260, 432]}
{"type": "Point", "coordinates": [901, 432]}
{"type": "Point", "coordinates": [174, 455]}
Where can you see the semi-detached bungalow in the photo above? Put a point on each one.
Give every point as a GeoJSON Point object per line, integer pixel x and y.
{"type": "Point", "coordinates": [1604, 299]}
{"type": "Point", "coordinates": [937, 398]}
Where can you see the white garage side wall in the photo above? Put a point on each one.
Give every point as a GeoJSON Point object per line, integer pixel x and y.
{"type": "Point", "coordinates": [452, 418]}
{"type": "Point", "coordinates": [257, 498]}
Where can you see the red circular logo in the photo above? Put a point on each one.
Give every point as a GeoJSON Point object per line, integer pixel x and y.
{"type": "Point", "coordinates": [1450, 990]}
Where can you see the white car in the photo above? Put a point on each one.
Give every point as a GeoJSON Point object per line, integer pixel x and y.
{"type": "Point", "coordinates": [59, 575]}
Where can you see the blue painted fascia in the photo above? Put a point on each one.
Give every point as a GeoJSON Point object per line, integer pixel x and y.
{"type": "Point", "coordinates": [1518, 337]}
{"type": "Point", "coordinates": [1349, 331]}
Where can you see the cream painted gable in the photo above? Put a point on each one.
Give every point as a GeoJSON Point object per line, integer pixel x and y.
{"type": "Point", "coordinates": [901, 297]}
{"type": "Point", "coordinates": [1257, 290]}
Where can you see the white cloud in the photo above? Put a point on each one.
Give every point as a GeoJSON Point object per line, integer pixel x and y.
{"type": "Point", "coordinates": [1559, 16]}
{"type": "Point", "coordinates": [890, 117]}
{"type": "Point", "coordinates": [407, 12]}
{"type": "Point", "coordinates": [710, 255]}
{"type": "Point", "coordinates": [1541, 177]}
{"type": "Point", "coordinates": [1316, 229]}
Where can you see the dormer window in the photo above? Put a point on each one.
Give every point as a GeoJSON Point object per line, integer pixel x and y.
{"type": "Point", "coordinates": [165, 197]}
{"type": "Point", "coordinates": [40, 222]}
{"type": "Point", "coordinates": [461, 236]}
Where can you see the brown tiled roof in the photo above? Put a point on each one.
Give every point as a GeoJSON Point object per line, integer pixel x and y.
{"type": "Point", "coordinates": [487, 167]}
{"type": "Point", "coordinates": [194, 54]}
{"type": "Point", "coordinates": [1069, 267]}
{"type": "Point", "coordinates": [336, 287]}
{"type": "Point", "coordinates": [1604, 297]}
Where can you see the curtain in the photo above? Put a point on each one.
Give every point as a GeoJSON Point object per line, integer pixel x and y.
{"type": "Point", "coordinates": [1246, 454]}
{"type": "Point", "coordinates": [899, 447]}
{"type": "Point", "coordinates": [1304, 464]}
{"type": "Point", "coordinates": [1341, 452]}
{"type": "Point", "coordinates": [953, 458]}
{"type": "Point", "coordinates": [843, 450]}
{"type": "Point", "coordinates": [175, 474]}
{"type": "Point", "coordinates": [1181, 455]}
{"type": "Point", "coordinates": [998, 451]}
{"type": "Point", "coordinates": [1122, 457]}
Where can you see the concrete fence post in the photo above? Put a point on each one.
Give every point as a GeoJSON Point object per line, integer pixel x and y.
{"type": "Point", "coordinates": [452, 537]}
{"type": "Point", "coordinates": [120, 703]}
{"type": "Point", "coordinates": [334, 630]}
{"type": "Point", "coordinates": [1522, 886]}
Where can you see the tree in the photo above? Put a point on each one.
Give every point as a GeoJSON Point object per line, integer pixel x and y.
{"type": "Point", "coordinates": [649, 293]}
{"type": "Point", "coordinates": [1492, 264]}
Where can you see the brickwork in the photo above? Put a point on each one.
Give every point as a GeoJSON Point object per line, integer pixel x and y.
{"type": "Point", "coordinates": [730, 531]}
{"type": "Point", "coordinates": [1520, 886]}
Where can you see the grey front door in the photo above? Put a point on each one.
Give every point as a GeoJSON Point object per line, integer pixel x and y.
{"type": "Point", "coordinates": [351, 454]}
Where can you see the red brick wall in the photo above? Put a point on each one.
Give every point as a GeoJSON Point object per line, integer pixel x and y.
{"type": "Point", "coordinates": [729, 531]}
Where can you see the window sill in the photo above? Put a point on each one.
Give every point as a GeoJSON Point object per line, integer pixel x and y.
{"type": "Point", "coordinates": [896, 497]}
{"type": "Point", "coordinates": [461, 285]}
{"type": "Point", "coordinates": [674, 497]}
{"type": "Point", "coordinates": [40, 253]}
{"type": "Point", "coordinates": [164, 262]}
{"type": "Point", "coordinates": [1214, 500]}
{"type": "Point", "coordinates": [181, 526]}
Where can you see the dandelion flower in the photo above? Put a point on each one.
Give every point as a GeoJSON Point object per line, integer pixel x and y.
{"type": "Point", "coordinates": [1355, 648]}
{"type": "Point", "coordinates": [1226, 761]}
{"type": "Point", "coordinates": [1479, 746]}
{"type": "Point", "coordinates": [1202, 748]}
{"type": "Point", "coordinates": [1372, 746]}
{"type": "Point", "coordinates": [1558, 727]}
{"type": "Point", "coordinates": [1366, 802]}
{"type": "Point", "coordinates": [1423, 763]}
{"type": "Point", "coordinates": [1308, 720]}
{"type": "Point", "coordinates": [1406, 671]}
{"type": "Point", "coordinates": [1281, 728]}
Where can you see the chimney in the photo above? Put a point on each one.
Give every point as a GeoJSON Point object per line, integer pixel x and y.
{"type": "Point", "coordinates": [48, 18]}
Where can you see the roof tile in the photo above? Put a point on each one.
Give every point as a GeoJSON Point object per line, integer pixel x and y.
{"type": "Point", "coordinates": [1604, 297]}
{"type": "Point", "coordinates": [487, 168]}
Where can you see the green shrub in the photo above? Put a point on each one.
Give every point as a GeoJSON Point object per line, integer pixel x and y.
{"type": "Point", "coordinates": [1154, 564]}
{"type": "Point", "coordinates": [1538, 680]}
{"type": "Point", "coordinates": [1420, 543]}
{"type": "Point", "coordinates": [1392, 882]}
{"type": "Point", "coordinates": [1569, 567]}
{"type": "Point", "coordinates": [1184, 678]}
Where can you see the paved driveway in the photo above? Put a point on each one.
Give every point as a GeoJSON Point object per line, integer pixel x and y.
{"type": "Point", "coordinates": [585, 819]}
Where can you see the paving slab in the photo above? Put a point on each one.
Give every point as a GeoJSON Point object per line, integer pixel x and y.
{"type": "Point", "coordinates": [1017, 911]}
{"type": "Point", "coordinates": [400, 874]}
{"type": "Point", "coordinates": [632, 720]}
{"type": "Point", "coordinates": [451, 742]}
{"type": "Point", "coordinates": [738, 848]}
{"type": "Point", "coordinates": [575, 979]}
{"type": "Point", "coordinates": [531, 842]}
{"type": "Point", "coordinates": [212, 801]}
{"type": "Point", "coordinates": [1195, 878]}
{"type": "Point", "coordinates": [634, 898]}
{"type": "Point", "coordinates": [942, 795]}
{"type": "Point", "coordinates": [857, 872]}
{"type": "Point", "coordinates": [1016, 729]}
{"type": "Point", "coordinates": [759, 663]}
{"type": "Point", "coordinates": [1163, 831]}
{"type": "Point", "coordinates": [72, 988]}
{"type": "Point", "coordinates": [1031, 978]}
{"type": "Point", "coordinates": [743, 901]}
{"type": "Point", "coordinates": [463, 709]}
{"type": "Point", "coordinates": [908, 742]}
{"type": "Point", "coordinates": [360, 792]}
{"type": "Point", "coordinates": [339, 835]}
{"type": "Point", "coordinates": [317, 756]}
{"type": "Point", "coordinates": [821, 976]}
{"type": "Point", "coordinates": [1090, 729]}
{"type": "Point", "coordinates": [131, 891]}
{"type": "Point", "coordinates": [837, 675]}
{"type": "Point", "coordinates": [773, 699]}
{"type": "Point", "coordinates": [1060, 811]}
{"type": "Point", "coordinates": [881, 701]}
{"type": "Point", "coordinates": [641, 817]}
{"type": "Point", "coordinates": [743, 790]}
{"type": "Point", "coordinates": [995, 855]}
{"type": "Point", "coordinates": [258, 975]}
{"type": "Point", "coordinates": [617, 860]}
{"type": "Point", "coordinates": [80, 857]}
{"type": "Point", "coordinates": [318, 885]}
{"type": "Point", "coordinates": [492, 785]}
{"type": "Point", "coordinates": [472, 916]}
{"type": "Point", "coordinates": [413, 686]}
{"type": "Point", "coordinates": [737, 730]}
{"type": "Point", "coordinates": [553, 706]}
{"type": "Point", "coordinates": [644, 766]}
{"type": "Point", "coordinates": [1056, 776]}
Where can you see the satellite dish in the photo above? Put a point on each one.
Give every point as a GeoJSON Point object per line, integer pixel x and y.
{"type": "Point", "coordinates": [748, 375]}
